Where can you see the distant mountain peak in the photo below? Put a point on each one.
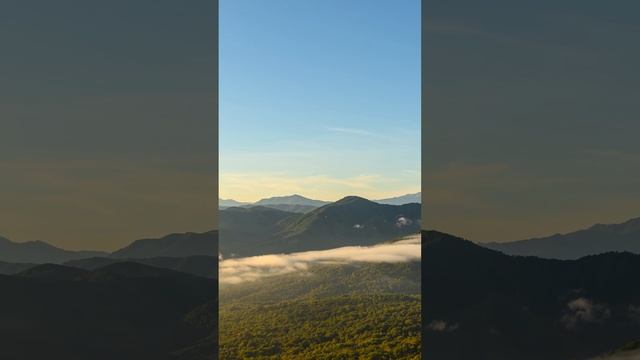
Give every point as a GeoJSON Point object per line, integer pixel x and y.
{"type": "Point", "coordinates": [38, 252]}
{"type": "Point", "coordinates": [403, 199]}
{"type": "Point", "coordinates": [295, 199]}
{"type": "Point", "coordinates": [224, 203]}
{"type": "Point", "coordinates": [596, 239]}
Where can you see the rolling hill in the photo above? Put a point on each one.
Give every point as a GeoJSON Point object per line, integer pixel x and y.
{"type": "Point", "coordinates": [597, 239]}
{"type": "Point", "coordinates": [8, 268]}
{"type": "Point", "coordinates": [124, 311]}
{"type": "Point", "coordinates": [349, 221]}
{"type": "Point", "coordinates": [347, 311]}
{"type": "Point", "coordinates": [513, 307]}
{"type": "Point", "coordinates": [199, 265]}
{"type": "Point", "coordinates": [173, 245]}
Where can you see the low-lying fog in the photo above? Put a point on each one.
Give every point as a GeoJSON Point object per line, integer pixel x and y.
{"type": "Point", "coordinates": [234, 271]}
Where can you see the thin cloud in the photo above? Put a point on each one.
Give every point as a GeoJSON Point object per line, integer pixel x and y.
{"type": "Point", "coordinates": [253, 268]}
{"type": "Point", "coordinates": [352, 131]}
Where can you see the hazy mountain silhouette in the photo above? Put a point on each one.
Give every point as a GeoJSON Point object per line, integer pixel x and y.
{"type": "Point", "coordinates": [512, 307]}
{"type": "Point", "coordinates": [39, 252]}
{"type": "Point", "coordinates": [291, 200]}
{"type": "Point", "coordinates": [292, 207]}
{"type": "Point", "coordinates": [225, 203]}
{"type": "Point", "coordinates": [594, 240]}
{"type": "Point", "coordinates": [54, 272]}
{"type": "Point", "coordinates": [121, 311]}
{"type": "Point", "coordinates": [173, 245]}
{"type": "Point", "coordinates": [200, 265]}
{"type": "Point", "coordinates": [8, 268]}
{"type": "Point", "coordinates": [349, 221]}
{"type": "Point", "coordinates": [292, 203]}
{"type": "Point", "coordinates": [401, 200]}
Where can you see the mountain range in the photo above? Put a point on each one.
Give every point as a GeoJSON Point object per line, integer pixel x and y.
{"type": "Point", "coordinates": [300, 204]}
{"type": "Point", "coordinates": [172, 245]}
{"type": "Point", "coordinates": [401, 200]}
{"type": "Point", "coordinates": [514, 307]}
{"type": "Point", "coordinates": [252, 230]}
{"type": "Point", "coordinates": [39, 252]}
{"type": "Point", "coordinates": [124, 310]}
{"type": "Point", "coordinates": [597, 239]}
{"type": "Point", "coordinates": [350, 221]}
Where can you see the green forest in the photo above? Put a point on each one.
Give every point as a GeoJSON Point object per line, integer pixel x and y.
{"type": "Point", "coordinates": [364, 311]}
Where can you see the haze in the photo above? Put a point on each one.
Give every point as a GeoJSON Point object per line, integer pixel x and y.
{"type": "Point", "coordinates": [108, 121]}
{"type": "Point", "coordinates": [531, 117]}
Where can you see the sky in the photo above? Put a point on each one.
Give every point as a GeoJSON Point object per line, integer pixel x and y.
{"type": "Point", "coordinates": [319, 98]}
{"type": "Point", "coordinates": [108, 131]}
{"type": "Point", "coordinates": [532, 119]}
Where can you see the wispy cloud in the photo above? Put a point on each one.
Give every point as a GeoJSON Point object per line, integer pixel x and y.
{"type": "Point", "coordinates": [235, 271]}
{"type": "Point", "coordinates": [352, 131]}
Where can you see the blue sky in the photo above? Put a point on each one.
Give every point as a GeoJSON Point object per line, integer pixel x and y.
{"type": "Point", "coordinates": [320, 98]}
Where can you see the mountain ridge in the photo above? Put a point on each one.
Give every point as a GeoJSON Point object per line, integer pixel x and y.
{"type": "Point", "coordinates": [349, 221]}
{"type": "Point", "coordinates": [598, 238]}
{"type": "Point", "coordinates": [481, 297]}
{"type": "Point", "coordinates": [39, 252]}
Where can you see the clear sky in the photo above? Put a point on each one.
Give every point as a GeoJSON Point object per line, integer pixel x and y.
{"type": "Point", "coordinates": [532, 116]}
{"type": "Point", "coordinates": [107, 120]}
{"type": "Point", "coordinates": [320, 98]}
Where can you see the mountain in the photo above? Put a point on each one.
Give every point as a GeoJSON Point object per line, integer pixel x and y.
{"type": "Point", "coordinates": [513, 307]}
{"type": "Point", "coordinates": [340, 311]}
{"type": "Point", "coordinates": [39, 252]}
{"type": "Point", "coordinates": [244, 231]}
{"type": "Point", "coordinates": [291, 200]}
{"type": "Point", "coordinates": [349, 221]}
{"type": "Point", "coordinates": [7, 268]}
{"type": "Point", "coordinates": [292, 208]}
{"type": "Point", "coordinates": [199, 265]}
{"type": "Point", "coordinates": [173, 245]}
{"type": "Point", "coordinates": [77, 314]}
{"type": "Point", "coordinates": [594, 240]}
{"type": "Point", "coordinates": [225, 203]}
{"type": "Point", "coordinates": [293, 203]}
{"type": "Point", "coordinates": [53, 272]}
{"type": "Point", "coordinates": [401, 200]}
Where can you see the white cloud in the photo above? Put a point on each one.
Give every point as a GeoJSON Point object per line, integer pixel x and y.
{"type": "Point", "coordinates": [253, 268]}
{"type": "Point", "coordinates": [583, 310]}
